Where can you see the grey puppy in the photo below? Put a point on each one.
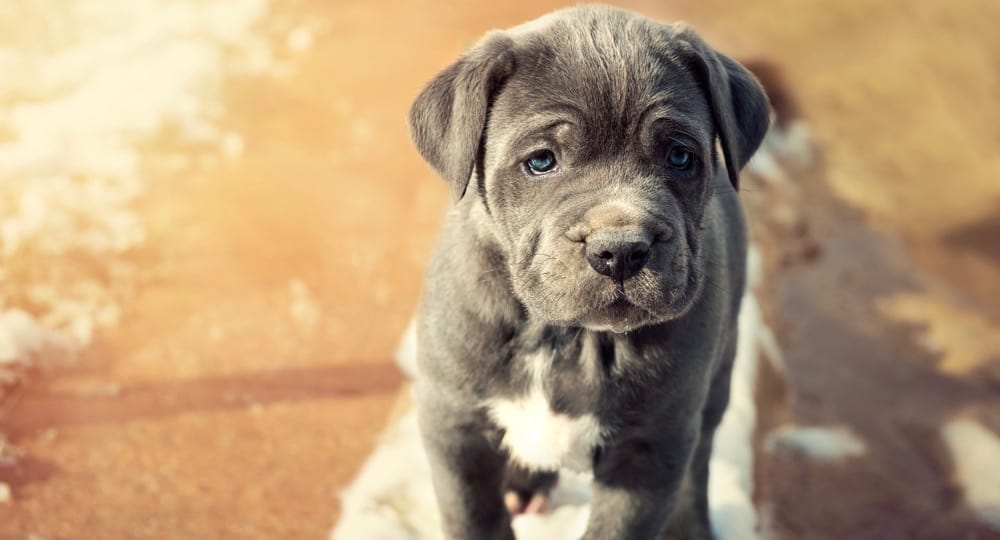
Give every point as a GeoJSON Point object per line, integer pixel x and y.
{"type": "Point", "coordinates": [580, 306]}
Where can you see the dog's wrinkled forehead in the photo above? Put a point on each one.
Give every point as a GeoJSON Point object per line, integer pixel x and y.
{"type": "Point", "coordinates": [607, 62]}
{"type": "Point", "coordinates": [608, 71]}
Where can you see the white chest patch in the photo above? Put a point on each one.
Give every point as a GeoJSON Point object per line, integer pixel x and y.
{"type": "Point", "coordinates": [538, 438]}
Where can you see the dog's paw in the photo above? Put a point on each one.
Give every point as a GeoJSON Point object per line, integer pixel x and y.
{"type": "Point", "coordinates": [537, 503]}
{"type": "Point", "coordinates": [527, 492]}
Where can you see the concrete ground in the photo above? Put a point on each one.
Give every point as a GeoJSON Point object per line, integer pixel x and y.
{"type": "Point", "coordinates": [248, 369]}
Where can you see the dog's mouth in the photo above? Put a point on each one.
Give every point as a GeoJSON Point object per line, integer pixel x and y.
{"type": "Point", "coordinates": [619, 315]}
{"type": "Point", "coordinates": [621, 312]}
{"type": "Point", "coordinates": [620, 305]}
{"type": "Point", "coordinates": [626, 310]}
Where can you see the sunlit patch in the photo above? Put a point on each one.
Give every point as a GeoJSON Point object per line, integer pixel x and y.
{"type": "Point", "coordinates": [967, 340]}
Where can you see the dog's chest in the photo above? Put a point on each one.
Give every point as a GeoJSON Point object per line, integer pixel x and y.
{"type": "Point", "coordinates": [536, 436]}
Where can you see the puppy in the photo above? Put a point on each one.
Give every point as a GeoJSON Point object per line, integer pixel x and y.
{"type": "Point", "coordinates": [580, 306]}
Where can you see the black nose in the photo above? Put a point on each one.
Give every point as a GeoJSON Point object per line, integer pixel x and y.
{"type": "Point", "coordinates": [617, 255]}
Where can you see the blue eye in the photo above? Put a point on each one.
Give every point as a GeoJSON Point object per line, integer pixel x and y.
{"type": "Point", "coordinates": [680, 158]}
{"type": "Point", "coordinates": [541, 162]}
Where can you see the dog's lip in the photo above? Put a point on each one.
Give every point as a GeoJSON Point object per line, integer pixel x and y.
{"type": "Point", "coordinates": [619, 315]}
{"type": "Point", "coordinates": [619, 303]}
{"type": "Point", "coordinates": [619, 308]}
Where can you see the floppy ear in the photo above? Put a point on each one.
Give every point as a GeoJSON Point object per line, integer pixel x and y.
{"type": "Point", "coordinates": [739, 105]}
{"type": "Point", "coordinates": [448, 117]}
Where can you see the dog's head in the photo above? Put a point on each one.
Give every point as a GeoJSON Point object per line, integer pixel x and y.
{"type": "Point", "coordinates": [589, 136]}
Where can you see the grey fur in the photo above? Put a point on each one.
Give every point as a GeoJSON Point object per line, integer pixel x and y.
{"type": "Point", "coordinates": [610, 93]}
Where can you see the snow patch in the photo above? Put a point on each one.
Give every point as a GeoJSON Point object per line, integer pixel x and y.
{"type": "Point", "coordinates": [730, 481]}
{"type": "Point", "coordinates": [822, 443]}
{"type": "Point", "coordinates": [392, 497]}
{"type": "Point", "coordinates": [975, 451]}
{"type": "Point", "coordinates": [406, 353]}
{"type": "Point", "coordinates": [20, 336]}
{"type": "Point", "coordinates": [793, 144]}
{"type": "Point", "coordinates": [75, 110]}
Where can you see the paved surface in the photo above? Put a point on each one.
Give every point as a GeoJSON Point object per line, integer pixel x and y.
{"type": "Point", "coordinates": [249, 370]}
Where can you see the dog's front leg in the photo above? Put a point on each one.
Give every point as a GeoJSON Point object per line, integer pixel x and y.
{"type": "Point", "coordinates": [467, 469]}
{"type": "Point", "coordinates": [636, 486]}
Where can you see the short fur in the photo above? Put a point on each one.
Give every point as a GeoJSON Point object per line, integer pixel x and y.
{"type": "Point", "coordinates": [610, 93]}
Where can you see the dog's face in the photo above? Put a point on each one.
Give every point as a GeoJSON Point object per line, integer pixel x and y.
{"type": "Point", "coordinates": [589, 137]}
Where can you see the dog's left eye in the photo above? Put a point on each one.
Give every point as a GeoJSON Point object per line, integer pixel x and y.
{"type": "Point", "coordinates": [680, 158]}
{"type": "Point", "coordinates": [541, 162]}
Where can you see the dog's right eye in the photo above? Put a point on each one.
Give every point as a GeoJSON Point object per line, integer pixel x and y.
{"type": "Point", "coordinates": [541, 162]}
{"type": "Point", "coordinates": [680, 158]}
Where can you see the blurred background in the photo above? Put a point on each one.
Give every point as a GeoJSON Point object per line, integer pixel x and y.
{"type": "Point", "coordinates": [213, 228]}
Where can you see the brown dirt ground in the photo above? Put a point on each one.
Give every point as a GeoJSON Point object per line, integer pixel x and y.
{"type": "Point", "coordinates": [218, 410]}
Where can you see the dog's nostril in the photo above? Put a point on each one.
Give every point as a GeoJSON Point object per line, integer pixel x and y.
{"type": "Point", "coordinates": [638, 257]}
{"type": "Point", "coordinates": [617, 258]}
